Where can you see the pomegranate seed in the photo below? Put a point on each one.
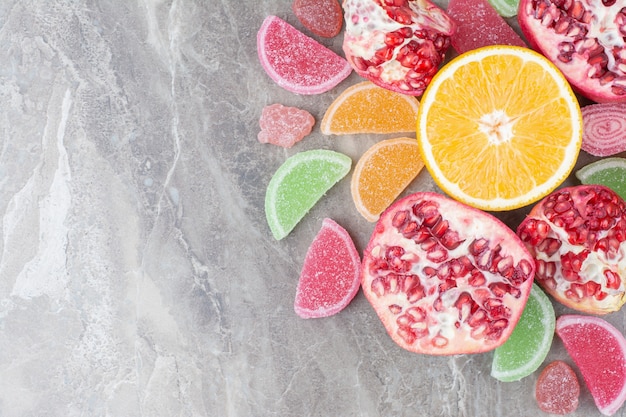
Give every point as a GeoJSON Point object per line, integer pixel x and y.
{"type": "Point", "coordinates": [477, 318]}
{"type": "Point", "coordinates": [446, 285]}
{"type": "Point", "coordinates": [407, 335]}
{"type": "Point", "coordinates": [478, 246]}
{"type": "Point", "coordinates": [499, 289]}
{"type": "Point", "coordinates": [429, 271]}
{"type": "Point", "coordinates": [439, 228]}
{"type": "Point", "coordinates": [450, 240]}
{"type": "Point", "coordinates": [415, 294]}
{"type": "Point", "coordinates": [613, 280]}
{"type": "Point", "coordinates": [378, 287]}
{"type": "Point", "coordinates": [477, 279]}
{"type": "Point", "coordinates": [400, 218]}
{"type": "Point", "coordinates": [438, 254]}
{"type": "Point", "coordinates": [393, 39]}
{"type": "Point", "coordinates": [429, 244]}
{"type": "Point", "coordinates": [410, 229]}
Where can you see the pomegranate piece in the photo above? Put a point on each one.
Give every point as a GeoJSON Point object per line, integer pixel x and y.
{"type": "Point", "coordinates": [584, 39]}
{"type": "Point", "coordinates": [478, 25]}
{"type": "Point", "coordinates": [576, 235]}
{"type": "Point", "coordinates": [284, 126]}
{"type": "Point", "coordinates": [445, 278]}
{"type": "Point", "coordinates": [557, 389]}
{"type": "Point", "coordinates": [396, 44]}
{"type": "Point", "coordinates": [322, 17]}
{"type": "Point", "coordinates": [604, 128]}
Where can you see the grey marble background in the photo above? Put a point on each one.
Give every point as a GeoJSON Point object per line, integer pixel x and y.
{"type": "Point", "coordinates": [137, 274]}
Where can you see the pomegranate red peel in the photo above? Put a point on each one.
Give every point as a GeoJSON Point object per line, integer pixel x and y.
{"type": "Point", "coordinates": [396, 44]}
{"type": "Point", "coordinates": [585, 40]}
{"type": "Point", "coordinates": [445, 278]}
{"type": "Point", "coordinates": [577, 236]}
{"type": "Point", "coordinates": [604, 128]}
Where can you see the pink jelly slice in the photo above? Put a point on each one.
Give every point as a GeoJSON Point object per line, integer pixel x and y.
{"type": "Point", "coordinates": [284, 126]}
{"type": "Point", "coordinates": [330, 275]}
{"type": "Point", "coordinates": [604, 128]}
{"type": "Point", "coordinates": [599, 351]}
{"type": "Point", "coordinates": [557, 389]}
{"type": "Point", "coordinates": [478, 25]}
{"type": "Point", "coordinates": [297, 62]}
{"type": "Point", "coordinates": [322, 17]}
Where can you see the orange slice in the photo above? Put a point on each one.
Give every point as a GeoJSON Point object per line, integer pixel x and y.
{"type": "Point", "coordinates": [367, 108]}
{"type": "Point", "coordinates": [499, 127]}
{"type": "Point", "coordinates": [382, 173]}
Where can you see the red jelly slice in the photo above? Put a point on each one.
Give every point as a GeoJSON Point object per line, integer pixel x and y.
{"type": "Point", "coordinates": [297, 62]}
{"type": "Point", "coordinates": [322, 17]}
{"type": "Point", "coordinates": [478, 25]}
{"type": "Point", "coordinates": [330, 275]}
{"type": "Point", "coordinates": [557, 389]}
{"type": "Point", "coordinates": [599, 351]}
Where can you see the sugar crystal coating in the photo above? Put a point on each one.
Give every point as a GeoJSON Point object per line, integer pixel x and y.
{"type": "Point", "coordinates": [557, 389]}
{"type": "Point", "coordinates": [322, 17]}
{"type": "Point", "coordinates": [297, 62]}
{"type": "Point", "coordinates": [478, 25]}
{"type": "Point", "coordinates": [330, 275]}
{"type": "Point", "coordinates": [599, 351]}
{"type": "Point", "coordinates": [284, 126]}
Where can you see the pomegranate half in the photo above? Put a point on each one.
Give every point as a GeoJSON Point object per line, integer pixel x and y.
{"type": "Point", "coordinates": [577, 236]}
{"type": "Point", "coordinates": [445, 278]}
{"type": "Point", "coordinates": [397, 44]}
{"type": "Point", "coordinates": [584, 39]}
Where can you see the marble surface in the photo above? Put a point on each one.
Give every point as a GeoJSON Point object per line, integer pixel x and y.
{"type": "Point", "coordinates": [138, 276]}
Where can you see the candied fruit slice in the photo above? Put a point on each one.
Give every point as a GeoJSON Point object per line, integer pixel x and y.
{"type": "Point", "coordinates": [284, 126]}
{"type": "Point", "coordinates": [478, 25]}
{"type": "Point", "coordinates": [322, 17]}
{"type": "Point", "coordinates": [330, 275]}
{"type": "Point", "coordinates": [297, 62]}
{"type": "Point", "coordinates": [557, 389]}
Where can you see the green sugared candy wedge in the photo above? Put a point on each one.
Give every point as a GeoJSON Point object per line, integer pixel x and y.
{"type": "Point", "coordinates": [530, 342]}
{"type": "Point", "coordinates": [298, 184]}
{"type": "Point", "coordinates": [610, 172]}
{"type": "Point", "coordinates": [505, 8]}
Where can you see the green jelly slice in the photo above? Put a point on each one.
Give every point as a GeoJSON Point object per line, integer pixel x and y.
{"type": "Point", "coordinates": [610, 172]}
{"type": "Point", "coordinates": [530, 342]}
{"type": "Point", "coordinates": [505, 8]}
{"type": "Point", "coordinates": [298, 184]}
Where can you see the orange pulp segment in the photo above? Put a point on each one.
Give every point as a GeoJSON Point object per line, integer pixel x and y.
{"type": "Point", "coordinates": [367, 108]}
{"type": "Point", "coordinates": [382, 173]}
{"type": "Point", "coordinates": [499, 127]}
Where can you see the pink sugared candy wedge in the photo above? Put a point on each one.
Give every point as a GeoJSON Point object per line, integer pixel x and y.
{"type": "Point", "coordinates": [330, 275]}
{"type": "Point", "coordinates": [599, 351]}
{"type": "Point", "coordinates": [557, 389]}
{"type": "Point", "coordinates": [297, 62]}
{"type": "Point", "coordinates": [322, 17]}
{"type": "Point", "coordinates": [284, 126]}
{"type": "Point", "coordinates": [478, 25]}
